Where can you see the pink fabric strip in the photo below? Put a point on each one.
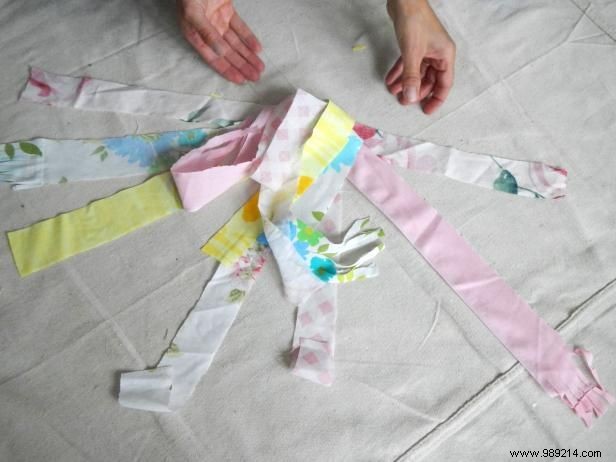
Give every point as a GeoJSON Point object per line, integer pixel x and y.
{"type": "Point", "coordinates": [537, 346]}
{"type": "Point", "coordinates": [208, 171]}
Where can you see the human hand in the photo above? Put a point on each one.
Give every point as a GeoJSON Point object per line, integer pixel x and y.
{"type": "Point", "coordinates": [424, 72]}
{"type": "Point", "coordinates": [222, 38]}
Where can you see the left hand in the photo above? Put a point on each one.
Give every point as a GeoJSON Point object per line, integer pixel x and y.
{"type": "Point", "coordinates": [222, 38]}
{"type": "Point", "coordinates": [424, 72]}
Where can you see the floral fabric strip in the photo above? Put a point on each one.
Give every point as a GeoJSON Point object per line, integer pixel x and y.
{"type": "Point", "coordinates": [169, 385]}
{"type": "Point", "coordinates": [312, 352]}
{"type": "Point", "coordinates": [101, 95]}
{"type": "Point", "coordinates": [524, 178]}
{"type": "Point", "coordinates": [309, 261]}
{"type": "Point", "coordinates": [537, 346]}
{"type": "Point", "coordinates": [40, 161]}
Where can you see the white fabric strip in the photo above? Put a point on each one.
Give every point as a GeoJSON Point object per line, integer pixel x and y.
{"type": "Point", "coordinates": [524, 178]}
{"type": "Point", "coordinates": [102, 95]}
{"type": "Point", "coordinates": [314, 338]}
{"type": "Point", "coordinates": [172, 382]}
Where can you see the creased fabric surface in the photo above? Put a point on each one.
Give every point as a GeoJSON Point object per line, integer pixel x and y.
{"type": "Point", "coordinates": [415, 375]}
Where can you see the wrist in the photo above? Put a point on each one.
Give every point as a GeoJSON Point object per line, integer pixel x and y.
{"type": "Point", "coordinates": [407, 4]}
{"type": "Point", "coordinates": [401, 8]}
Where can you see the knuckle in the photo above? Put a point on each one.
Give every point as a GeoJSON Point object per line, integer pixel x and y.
{"type": "Point", "coordinates": [206, 35]}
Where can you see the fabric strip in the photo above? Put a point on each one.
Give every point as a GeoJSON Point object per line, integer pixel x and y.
{"type": "Point", "coordinates": [101, 95]}
{"type": "Point", "coordinates": [537, 346]}
{"type": "Point", "coordinates": [56, 239]}
{"type": "Point", "coordinates": [170, 385]}
{"type": "Point", "coordinates": [39, 161]}
{"type": "Point", "coordinates": [314, 338]}
{"type": "Point", "coordinates": [520, 177]}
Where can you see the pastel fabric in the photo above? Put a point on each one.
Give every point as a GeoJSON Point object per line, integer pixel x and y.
{"type": "Point", "coordinates": [90, 94]}
{"type": "Point", "coordinates": [55, 239]}
{"type": "Point", "coordinates": [298, 172]}
{"type": "Point", "coordinates": [32, 163]}
{"type": "Point", "coordinates": [538, 347]}
{"type": "Point", "coordinates": [541, 350]}
{"type": "Point", "coordinates": [531, 179]}
{"type": "Point", "coordinates": [170, 384]}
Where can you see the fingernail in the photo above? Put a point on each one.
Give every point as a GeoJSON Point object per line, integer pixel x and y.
{"type": "Point", "coordinates": [410, 93]}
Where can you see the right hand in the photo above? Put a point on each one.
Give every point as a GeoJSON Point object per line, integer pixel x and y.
{"type": "Point", "coordinates": [424, 72]}
{"type": "Point", "coordinates": [222, 38]}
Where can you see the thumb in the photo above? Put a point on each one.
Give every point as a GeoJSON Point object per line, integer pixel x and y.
{"type": "Point", "coordinates": [411, 76]}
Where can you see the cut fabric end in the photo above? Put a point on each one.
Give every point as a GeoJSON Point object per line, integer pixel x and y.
{"type": "Point", "coordinates": [313, 361]}
{"type": "Point", "coordinates": [148, 390]}
{"type": "Point", "coordinates": [593, 404]}
{"type": "Point", "coordinates": [593, 401]}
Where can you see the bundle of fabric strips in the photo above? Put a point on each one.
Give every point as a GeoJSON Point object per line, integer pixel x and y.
{"type": "Point", "coordinates": [294, 158]}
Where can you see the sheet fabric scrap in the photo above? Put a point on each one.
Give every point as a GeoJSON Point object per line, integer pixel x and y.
{"type": "Point", "coordinates": [102, 95]}
{"type": "Point", "coordinates": [295, 157]}
{"type": "Point", "coordinates": [40, 161]}
{"type": "Point", "coordinates": [55, 239]}
{"type": "Point", "coordinates": [312, 355]}
{"type": "Point", "coordinates": [170, 384]}
{"type": "Point", "coordinates": [532, 179]}
{"type": "Point", "coordinates": [537, 346]}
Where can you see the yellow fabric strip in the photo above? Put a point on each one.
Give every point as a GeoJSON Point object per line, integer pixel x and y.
{"type": "Point", "coordinates": [328, 139]}
{"type": "Point", "coordinates": [237, 235]}
{"type": "Point", "coordinates": [56, 239]}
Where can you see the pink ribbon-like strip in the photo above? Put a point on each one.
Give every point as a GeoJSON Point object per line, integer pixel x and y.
{"type": "Point", "coordinates": [225, 160]}
{"type": "Point", "coordinates": [538, 347]}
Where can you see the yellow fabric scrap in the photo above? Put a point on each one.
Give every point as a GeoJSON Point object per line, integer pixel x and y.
{"type": "Point", "coordinates": [55, 239]}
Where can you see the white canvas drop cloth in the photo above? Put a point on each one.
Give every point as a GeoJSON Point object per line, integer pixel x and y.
{"type": "Point", "coordinates": [418, 376]}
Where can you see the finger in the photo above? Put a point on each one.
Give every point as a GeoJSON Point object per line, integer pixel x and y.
{"type": "Point", "coordinates": [394, 73]}
{"type": "Point", "coordinates": [234, 41]}
{"type": "Point", "coordinates": [411, 75]}
{"type": "Point", "coordinates": [427, 83]}
{"type": "Point", "coordinates": [393, 76]}
{"type": "Point", "coordinates": [396, 87]}
{"type": "Point", "coordinates": [241, 64]}
{"type": "Point", "coordinates": [218, 63]}
{"type": "Point", "coordinates": [425, 65]}
{"type": "Point", "coordinates": [208, 33]}
{"type": "Point", "coordinates": [245, 34]}
{"type": "Point", "coordinates": [444, 82]}
{"type": "Point", "coordinates": [221, 47]}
